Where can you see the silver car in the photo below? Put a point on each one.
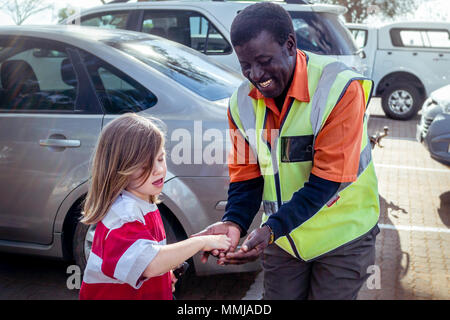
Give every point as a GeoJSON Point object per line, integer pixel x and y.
{"type": "Point", "coordinates": [434, 126]}
{"type": "Point", "coordinates": [59, 86]}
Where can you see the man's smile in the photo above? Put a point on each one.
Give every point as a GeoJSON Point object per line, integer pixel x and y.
{"type": "Point", "coordinates": [265, 84]}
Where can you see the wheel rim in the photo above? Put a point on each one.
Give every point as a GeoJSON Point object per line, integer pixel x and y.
{"type": "Point", "coordinates": [88, 241]}
{"type": "Point", "coordinates": [400, 101]}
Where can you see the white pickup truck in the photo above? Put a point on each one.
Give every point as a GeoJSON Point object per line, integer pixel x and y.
{"type": "Point", "coordinates": [406, 60]}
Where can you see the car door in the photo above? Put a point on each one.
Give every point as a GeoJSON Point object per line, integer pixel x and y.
{"type": "Point", "coordinates": [366, 41]}
{"type": "Point", "coordinates": [50, 119]}
{"type": "Point", "coordinates": [429, 52]}
{"type": "Point", "coordinates": [439, 42]}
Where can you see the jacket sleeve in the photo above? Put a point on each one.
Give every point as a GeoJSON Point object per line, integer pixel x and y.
{"type": "Point", "coordinates": [244, 201]}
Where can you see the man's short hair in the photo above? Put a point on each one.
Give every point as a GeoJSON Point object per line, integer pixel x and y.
{"type": "Point", "coordinates": [254, 19]}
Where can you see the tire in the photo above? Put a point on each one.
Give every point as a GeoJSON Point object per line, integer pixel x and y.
{"type": "Point", "coordinates": [401, 101]}
{"type": "Point", "coordinates": [82, 242]}
{"type": "Point", "coordinates": [173, 234]}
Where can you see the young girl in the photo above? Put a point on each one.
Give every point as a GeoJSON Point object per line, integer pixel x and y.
{"type": "Point", "coordinates": [129, 257]}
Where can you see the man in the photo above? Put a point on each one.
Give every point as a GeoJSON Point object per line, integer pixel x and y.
{"type": "Point", "coordinates": [299, 125]}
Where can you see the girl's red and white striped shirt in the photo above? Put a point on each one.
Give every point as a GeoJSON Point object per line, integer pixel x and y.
{"type": "Point", "coordinates": [125, 242]}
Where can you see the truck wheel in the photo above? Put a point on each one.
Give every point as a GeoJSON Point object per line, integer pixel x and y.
{"type": "Point", "coordinates": [82, 243]}
{"type": "Point", "coordinates": [401, 101]}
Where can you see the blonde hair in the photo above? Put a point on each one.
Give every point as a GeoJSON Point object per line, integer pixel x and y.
{"type": "Point", "coordinates": [125, 145]}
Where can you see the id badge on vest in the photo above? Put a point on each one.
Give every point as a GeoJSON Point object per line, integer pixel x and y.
{"type": "Point", "coordinates": [297, 148]}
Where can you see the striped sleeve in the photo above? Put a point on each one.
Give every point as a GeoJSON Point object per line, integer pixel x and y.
{"type": "Point", "coordinates": [127, 251]}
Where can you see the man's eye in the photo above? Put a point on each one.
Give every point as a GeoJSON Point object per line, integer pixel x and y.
{"type": "Point", "coordinates": [266, 62]}
{"type": "Point", "coordinates": [244, 66]}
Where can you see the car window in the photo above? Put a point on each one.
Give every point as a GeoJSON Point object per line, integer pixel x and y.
{"type": "Point", "coordinates": [322, 33]}
{"type": "Point", "coordinates": [422, 38]}
{"type": "Point", "coordinates": [187, 67]}
{"type": "Point", "coordinates": [117, 92]}
{"type": "Point", "coordinates": [36, 76]}
{"type": "Point", "coordinates": [360, 37]}
{"type": "Point", "coordinates": [110, 20]}
{"type": "Point", "coordinates": [189, 28]}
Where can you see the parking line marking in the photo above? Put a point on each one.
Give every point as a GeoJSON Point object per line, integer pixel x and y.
{"type": "Point", "coordinates": [400, 138]}
{"type": "Point", "coordinates": [257, 287]}
{"type": "Point", "coordinates": [412, 228]}
{"type": "Point", "coordinates": [391, 166]}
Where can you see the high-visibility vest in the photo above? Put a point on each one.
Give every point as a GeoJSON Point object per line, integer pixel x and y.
{"type": "Point", "coordinates": [286, 164]}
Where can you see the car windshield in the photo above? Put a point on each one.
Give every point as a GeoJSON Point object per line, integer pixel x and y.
{"type": "Point", "coordinates": [187, 67]}
{"type": "Point", "coordinates": [322, 33]}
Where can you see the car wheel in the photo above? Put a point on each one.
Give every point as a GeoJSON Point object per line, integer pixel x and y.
{"type": "Point", "coordinates": [82, 243]}
{"type": "Point", "coordinates": [173, 234]}
{"type": "Point", "coordinates": [401, 102]}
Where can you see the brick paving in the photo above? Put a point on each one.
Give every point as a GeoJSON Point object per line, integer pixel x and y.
{"type": "Point", "coordinates": [414, 192]}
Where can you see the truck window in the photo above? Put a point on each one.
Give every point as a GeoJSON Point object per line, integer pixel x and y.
{"type": "Point", "coordinates": [420, 38]}
{"type": "Point", "coordinates": [189, 28]}
{"type": "Point", "coordinates": [322, 33]}
{"type": "Point", "coordinates": [109, 20]}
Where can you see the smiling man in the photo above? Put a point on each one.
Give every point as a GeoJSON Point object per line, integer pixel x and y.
{"type": "Point", "coordinates": [299, 124]}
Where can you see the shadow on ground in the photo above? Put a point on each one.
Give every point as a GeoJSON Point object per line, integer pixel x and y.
{"type": "Point", "coordinates": [444, 209]}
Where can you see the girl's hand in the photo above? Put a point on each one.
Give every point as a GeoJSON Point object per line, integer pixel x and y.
{"type": "Point", "coordinates": [219, 242]}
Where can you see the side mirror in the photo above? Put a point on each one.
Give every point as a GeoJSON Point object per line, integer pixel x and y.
{"type": "Point", "coordinates": [361, 53]}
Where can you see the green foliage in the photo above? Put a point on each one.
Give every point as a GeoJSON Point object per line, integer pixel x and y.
{"type": "Point", "coordinates": [65, 13]}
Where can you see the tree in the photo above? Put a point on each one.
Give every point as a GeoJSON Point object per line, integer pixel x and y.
{"type": "Point", "coordinates": [21, 10]}
{"type": "Point", "coordinates": [359, 10]}
{"type": "Point", "coordinates": [65, 13]}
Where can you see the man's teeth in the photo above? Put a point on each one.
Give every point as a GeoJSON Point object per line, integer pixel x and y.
{"type": "Point", "coordinates": [266, 83]}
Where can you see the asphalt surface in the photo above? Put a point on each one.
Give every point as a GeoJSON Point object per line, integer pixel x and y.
{"type": "Point", "coordinates": [413, 247]}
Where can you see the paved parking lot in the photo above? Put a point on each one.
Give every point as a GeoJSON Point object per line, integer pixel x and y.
{"type": "Point", "coordinates": [413, 248]}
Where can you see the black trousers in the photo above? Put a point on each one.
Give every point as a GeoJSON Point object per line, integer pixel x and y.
{"type": "Point", "coordinates": [338, 274]}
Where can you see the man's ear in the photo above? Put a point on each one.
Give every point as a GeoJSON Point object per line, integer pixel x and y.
{"type": "Point", "coordinates": [291, 44]}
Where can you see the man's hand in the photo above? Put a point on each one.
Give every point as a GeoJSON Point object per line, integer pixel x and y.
{"type": "Point", "coordinates": [251, 249]}
{"type": "Point", "coordinates": [228, 228]}
{"type": "Point", "coordinates": [174, 280]}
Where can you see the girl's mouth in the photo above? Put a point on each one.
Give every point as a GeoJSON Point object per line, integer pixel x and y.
{"type": "Point", "coordinates": [158, 182]}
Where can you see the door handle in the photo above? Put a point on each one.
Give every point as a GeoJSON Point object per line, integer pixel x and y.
{"type": "Point", "coordinates": [60, 143]}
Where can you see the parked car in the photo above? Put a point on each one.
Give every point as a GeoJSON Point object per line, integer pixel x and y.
{"type": "Point", "coordinates": [59, 86]}
{"type": "Point", "coordinates": [406, 60]}
{"type": "Point", "coordinates": [205, 25]}
{"type": "Point", "coordinates": [434, 126]}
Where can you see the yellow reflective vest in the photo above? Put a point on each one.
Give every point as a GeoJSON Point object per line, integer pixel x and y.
{"type": "Point", "coordinates": [286, 164]}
